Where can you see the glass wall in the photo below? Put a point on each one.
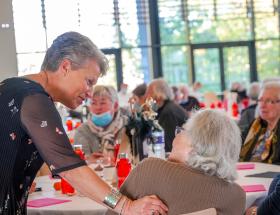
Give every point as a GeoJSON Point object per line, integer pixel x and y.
{"type": "Point", "coordinates": [217, 25]}
{"type": "Point", "coordinates": [221, 23]}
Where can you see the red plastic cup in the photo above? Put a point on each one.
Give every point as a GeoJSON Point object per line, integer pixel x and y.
{"type": "Point", "coordinates": [66, 188]}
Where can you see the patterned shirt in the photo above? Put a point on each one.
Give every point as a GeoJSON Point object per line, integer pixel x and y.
{"type": "Point", "coordinates": [31, 133]}
{"type": "Point", "coordinates": [260, 148]}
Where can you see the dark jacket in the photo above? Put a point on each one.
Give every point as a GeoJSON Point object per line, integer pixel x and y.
{"type": "Point", "coordinates": [271, 204]}
{"type": "Point", "coordinates": [247, 117]}
{"type": "Point", "coordinates": [170, 115]}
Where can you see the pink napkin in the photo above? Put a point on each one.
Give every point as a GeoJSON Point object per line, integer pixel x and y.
{"type": "Point", "coordinates": [37, 203]}
{"type": "Point", "coordinates": [253, 188]}
{"type": "Point", "coordinates": [245, 166]}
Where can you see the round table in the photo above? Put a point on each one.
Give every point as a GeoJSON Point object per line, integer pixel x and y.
{"type": "Point", "coordinates": [85, 206]}
{"type": "Point", "coordinates": [251, 197]}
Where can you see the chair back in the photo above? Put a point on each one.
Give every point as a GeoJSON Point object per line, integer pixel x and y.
{"type": "Point", "coordinates": [209, 211]}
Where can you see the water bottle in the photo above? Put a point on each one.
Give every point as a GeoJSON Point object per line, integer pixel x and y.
{"type": "Point", "coordinates": [157, 147]}
{"type": "Point", "coordinates": [123, 168]}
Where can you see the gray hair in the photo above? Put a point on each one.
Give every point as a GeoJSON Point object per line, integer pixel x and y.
{"type": "Point", "coordinates": [254, 90]}
{"type": "Point", "coordinates": [106, 91]}
{"type": "Point", "coordinates": [75, 47]}
{"type": "Point", "coordinates": [215, 142]}
{"type": "Point", "coordinates": [271, 85]}
{"type": "Point", "coordinates": [161, 89]}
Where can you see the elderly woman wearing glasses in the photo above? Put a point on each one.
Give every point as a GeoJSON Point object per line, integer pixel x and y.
{"type": "Point", "coordinates": [200, 171]}
{"type": "Point", "coordinates": [262, 139]}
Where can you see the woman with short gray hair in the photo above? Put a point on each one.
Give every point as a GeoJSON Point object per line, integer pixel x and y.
{"type": "Point", "coordinates": [200, 170]}
{"type": "Point", "coordinates": [32, 131]}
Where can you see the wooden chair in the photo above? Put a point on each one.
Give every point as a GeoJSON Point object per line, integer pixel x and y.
{"type": "Point", "coordinates": [209, 211]}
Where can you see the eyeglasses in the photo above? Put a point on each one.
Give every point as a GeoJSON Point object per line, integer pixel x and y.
{"type": "Point", "coordinates": [178, 130]}
{"type": "Point", "coordinates": [268, 101]}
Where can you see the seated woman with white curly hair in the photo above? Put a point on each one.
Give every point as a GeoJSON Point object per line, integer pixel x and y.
{"type": "Point", "coordinates": [200, 172]}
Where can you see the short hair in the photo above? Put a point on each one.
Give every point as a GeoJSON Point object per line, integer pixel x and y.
{"type": "Point", "coordinates": [106, 91]}
{"type": "Point", "coordinates": [75, 47]}
{"type": "Point", "coordinates": [161, 89]}
{"type": "Point", "coordinates": [140, 90]}
{"type": "Point", "coordinates": [271, 85]}
{"type": "Point", "coordinates": [215, 141]}
{"type": "Point", "coordinates": [254, 90]}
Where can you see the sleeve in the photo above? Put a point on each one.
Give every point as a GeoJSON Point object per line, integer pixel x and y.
{"type": "Point", "coordinates": [42, 122]}
{"type": "Point", "coordinates": [271, 204]}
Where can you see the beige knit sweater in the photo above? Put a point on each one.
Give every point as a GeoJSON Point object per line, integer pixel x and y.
{"type": "Point", "coordinates": [183, 189]}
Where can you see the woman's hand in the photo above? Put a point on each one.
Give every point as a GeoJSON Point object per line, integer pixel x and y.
{"type": "Point", "coordinates": [251, 211]}
{"type": "Point", "coordinates": [148, 205]}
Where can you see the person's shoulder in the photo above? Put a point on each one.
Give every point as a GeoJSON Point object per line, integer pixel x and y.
{"type": "Point", "coordinates": [237, 194]}
{"type": "Point", "coordinates": [192, 98]}
{"type": "Point", "coordinates": [21, 82]}
{"type": "Point", "coordinates": [236, 191]}
{"type": "Point", "coordinates": [156, 165]}
{"type": "Point", "coordinates": [151, 162]}
{"type": "Point", "coordinates": [249, 109]}
{"type": "Point", "coordinates": [22, 86]}
{"type": "Point", "coordinates": [171, 106]}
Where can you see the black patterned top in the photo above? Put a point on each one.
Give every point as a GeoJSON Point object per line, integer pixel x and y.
{"type": "Point", "coordinates": [31, 132]}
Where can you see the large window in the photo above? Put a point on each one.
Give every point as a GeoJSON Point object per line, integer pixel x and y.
{"type": "Point", "coordinates": [215, 23]}
{"type": "Point", "coordinates": [178, 26]}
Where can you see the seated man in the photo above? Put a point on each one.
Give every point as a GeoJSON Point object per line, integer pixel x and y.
{"type": "Point", "coordinates": [262, 139]}
{"type": "Point", "coordinates": [170, 114]}
{"type": "Point", "coordinates": [200, 171]}
{"type": "Point", "coordinates": [105, 125]}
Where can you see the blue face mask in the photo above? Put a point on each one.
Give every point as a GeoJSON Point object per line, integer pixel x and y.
{"type": "Point", "coordinates": [102, 120]}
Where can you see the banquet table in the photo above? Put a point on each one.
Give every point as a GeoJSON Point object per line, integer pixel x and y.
{"type": "Point", "coordinates": [80, 205]}
{"type": "Point", "coordinates": [243, 179]}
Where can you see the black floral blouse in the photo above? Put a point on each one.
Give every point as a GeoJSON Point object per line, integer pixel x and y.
{"type": "Point", "coordinates": [31, 133]}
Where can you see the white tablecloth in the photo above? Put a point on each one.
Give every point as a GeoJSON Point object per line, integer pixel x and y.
{"type": "Point", "coordinates": [259, 168]}
{"type": "Point", "coordinates": [84, 206]}
{"type": "Point", "coordinates": [78, 205]}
